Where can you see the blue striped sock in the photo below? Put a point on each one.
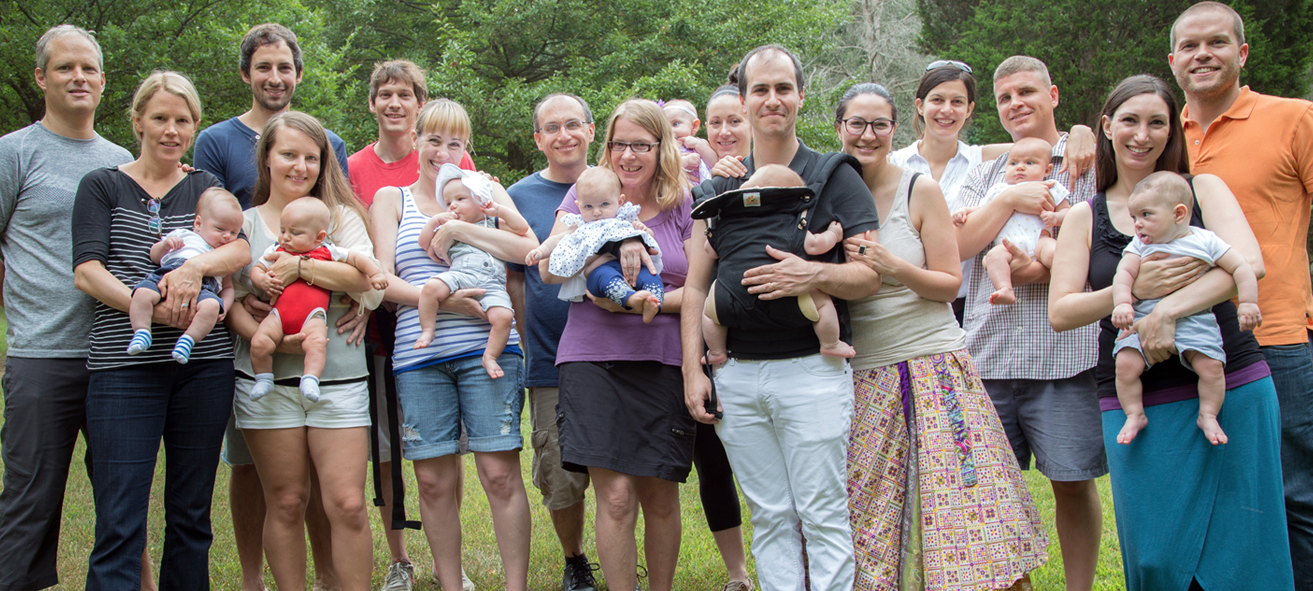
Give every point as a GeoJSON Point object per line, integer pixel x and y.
{"type": "Point", "coordinates": [182, 350]}
{"type": "Point", "coordinates": [140, 341]}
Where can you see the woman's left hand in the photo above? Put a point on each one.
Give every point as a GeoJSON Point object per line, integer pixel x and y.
{"type": "Point", "coordinates": [287, 269]}
{"type": "Point", "coordinates": [1157, 333]}
{"type": "Point", "coordinates": [178, 289]}
{"type": "Point", "coordinates": [874, 254]}
{"type": "Point", "coordinates": [353, 322]}
{"type": "Point", "coordinates": [790, 277]}
{"type": "Point", "coordinates": [1079, 156]}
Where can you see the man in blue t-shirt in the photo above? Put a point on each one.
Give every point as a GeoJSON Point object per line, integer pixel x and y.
{"type": "Point", "coordinates": [270, 62]}
{"type": "Point", "coordinates": [271, 65]}
{"type": "Point", "coordinates": [563, 128]}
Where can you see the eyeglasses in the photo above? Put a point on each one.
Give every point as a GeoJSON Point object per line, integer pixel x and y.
{"type": "Point", "coordinates": [554, 128]}
{"type": "Point", "coordinates": [638, 147]}
{"type": "Point", "coordinates": [155, 224]}
{"type": "Point", "coordinates": [857, 126]}
{"type": "Point", "coordinates": [954, 63]}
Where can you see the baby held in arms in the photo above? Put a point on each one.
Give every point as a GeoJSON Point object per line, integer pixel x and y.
{"type": "Point", "coordinates": [605, 218]}
{"type": "Point", "coordinates": [1029, 161]}
{"type": "Point", "coordinates": [1161, 206]}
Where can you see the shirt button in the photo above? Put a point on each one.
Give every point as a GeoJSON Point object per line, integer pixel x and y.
{"type": "Point", "coordinates": [1019, 327]}
{"type": "Point", "coordinates": [1196, 142]}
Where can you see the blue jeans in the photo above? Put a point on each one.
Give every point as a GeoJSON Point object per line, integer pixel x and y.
{"type": "Point", "coordinates": [129, 410]}
{"type": "Point", "coordinates": [1292, 372]}
{"type": "Point", "coordinates": [436, 400]}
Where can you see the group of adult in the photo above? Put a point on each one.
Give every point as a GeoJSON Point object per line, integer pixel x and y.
{"type": "Point", "coordinates": [899, 468]}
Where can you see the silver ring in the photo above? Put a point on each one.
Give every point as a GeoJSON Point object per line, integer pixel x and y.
{"type": "Point", "coordinates": [186, 304]}
{"type": "Point", "coordinates": [861, 249]}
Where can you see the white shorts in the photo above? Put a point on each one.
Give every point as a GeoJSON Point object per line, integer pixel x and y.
{"type": "Point", "coordinates": [340, 406]}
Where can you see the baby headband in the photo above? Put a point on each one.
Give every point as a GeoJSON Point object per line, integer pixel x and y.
{"type": "Point", "coordinates": [479, 186]}
{"type": "Point", "coordinates": [683, 108]}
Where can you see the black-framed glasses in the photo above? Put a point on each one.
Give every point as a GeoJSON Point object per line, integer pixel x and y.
{"type": "Point", "coordinates": [554, 128]}
{"type": "Point", "coordinates": [857, 125]}
{"type": "Point", "coordinates": [637, 147]}
{"type": "Point", "coordinates": [954, 63]}
{"type": "Point", "coordinates": [155, 224]}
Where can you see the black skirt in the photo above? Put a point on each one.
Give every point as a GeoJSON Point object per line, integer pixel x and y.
{"type": "Point", "coordinates": [625, 416]}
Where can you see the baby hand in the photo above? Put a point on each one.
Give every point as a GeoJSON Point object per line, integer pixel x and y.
{"type": "Point", "coordinates": [1123, 316]}
{"type": "Point", "coordinates": [173, 242]}
{"type": "Point", "coordinates": [643, 228]}
{"type": "Point", "coordinates": [690, 161]}
{"type": "Point", "coordinates": [960, 217]}
{"type": "Point", "coordinates": [267, 281]}
{"type": "Point", "coordinates": [1250, 317]}
{"type": "Point", "coordinates": [490, 208]}
{"type": "Point", "coordinates": [378, 281]}
{"type": "Point", "coordinates": [533, 257]}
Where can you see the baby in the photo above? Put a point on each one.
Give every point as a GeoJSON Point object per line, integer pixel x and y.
{"type": "Point", "coordinates": [816, 305]}
{"type": "Point", "coordinates": [696, 154]}
{"type": "Point", "coordinates": [218, 222]}
{"type": "Point", "coordinates": [302, 307]}
{"type": "Point", "coordinates": [604, 217]}
{"type": "Point", "coordinates": [1161, 206]}
{"type": "Point", "coordinates": [1029, 160]}
{"type": "Point", "coordinates": [468, 196]}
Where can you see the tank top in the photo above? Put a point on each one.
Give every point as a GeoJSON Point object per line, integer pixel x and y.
{"type": "Point", "coordinates": [1106, 246]}
{"type": "Point", "coordinates": [896, 324]}
{"type": "Point", "coordinates": [455, 335]}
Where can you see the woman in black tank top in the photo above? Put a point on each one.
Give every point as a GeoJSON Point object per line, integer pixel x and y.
{"type": "Point", "coordinates": [1172, 489]}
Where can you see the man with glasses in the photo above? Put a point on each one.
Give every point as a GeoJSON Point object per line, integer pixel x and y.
{"type": "Point", "coordinates": [786, 408]}
{"type": "Point", "coordinates": [1041, 382]}
{"type": "Point", "coordinates": [45, 376]}
{"type": "Point", "coordinates": [562, 129]}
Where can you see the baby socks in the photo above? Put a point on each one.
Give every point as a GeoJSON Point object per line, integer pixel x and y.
{"type": "Point", "coordinates": [140, 342]}
{"type": "Point", "coordinates": [310, 387]}
{"type": "Point", "coordinates": [264, 384]}
{"type": "Point", "coordinates": [182, 350]}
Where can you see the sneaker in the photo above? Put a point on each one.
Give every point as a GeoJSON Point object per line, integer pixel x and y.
{"type": "Point", "coordinates": [400, 577]}
{"type": "Point", "coordinates": [465, 583]}
{"type": "Point", "coordinates": [578, 574]}
{"type": "Point", "coordinates": [738, 585]}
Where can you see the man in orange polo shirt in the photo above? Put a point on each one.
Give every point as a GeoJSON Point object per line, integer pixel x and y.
{"type": "Point", "coordinates": [1262, 146]}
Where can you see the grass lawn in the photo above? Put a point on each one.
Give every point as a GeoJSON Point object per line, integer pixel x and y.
{"type": "Point", "coordinates": [699, 564]}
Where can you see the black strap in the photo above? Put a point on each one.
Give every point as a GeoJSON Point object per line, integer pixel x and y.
{"type": "Point", "coordinates": [387, 332]}
{"type": "Point", "coordinates": [912, 185]}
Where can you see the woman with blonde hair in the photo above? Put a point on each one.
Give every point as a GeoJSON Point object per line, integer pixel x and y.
{"type": "Point", "coordinates": [621, 413]}
{"type": "Point", "coordinates": [284, 429]}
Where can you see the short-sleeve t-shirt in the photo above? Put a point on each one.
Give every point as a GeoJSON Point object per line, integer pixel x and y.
{"type": "Point", "coordinates": [369, 173]}
{"type": "Point", "coordinates": [111, 224]}
{"type": "Point", "coordinates": [593, 334]}
{"type": "Point", "coordinates": [227, 150]}
{"type": "Point", "coordinates": [845, 199]}
{"type": "Point", "coordinates": [537, 198]}
{"type": "Point", "coordinates": [192, 245]}
{"type": "Point", "coordinates": [1199, 243]}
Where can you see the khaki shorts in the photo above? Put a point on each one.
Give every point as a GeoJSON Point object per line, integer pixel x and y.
{"type": "Point", "coordinates": [560, 489]}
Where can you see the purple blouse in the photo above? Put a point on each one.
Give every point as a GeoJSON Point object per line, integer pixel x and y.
{"type": "Point", "coordinates": [593, 334]}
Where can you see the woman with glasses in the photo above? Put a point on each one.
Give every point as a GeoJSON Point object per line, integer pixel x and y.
{"type": "Point", "coordinates": [135, 401]}
{"type": "Point", "coordinates": [935, 493]}
{"type": "Point", "coordinates": [621, 413]}
{"type": "Point", "coordinates": [945, 101]}
{"type": "Point", "coordinates": [443, 387]}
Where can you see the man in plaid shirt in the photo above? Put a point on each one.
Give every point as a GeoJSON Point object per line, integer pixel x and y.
{"type": "Point", "coordinates": [1041, 382]}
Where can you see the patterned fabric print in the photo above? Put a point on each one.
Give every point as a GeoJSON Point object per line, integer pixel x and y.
{"type": "Point", "coordinates": [618, 291]}
{"type": "Point", "coordinates": [972, 537]}
{"type": "Point", "coordinates": [573, 250]}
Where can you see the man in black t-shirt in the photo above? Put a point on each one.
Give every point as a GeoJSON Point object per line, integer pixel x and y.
{"type": "Point", "coordinates": [786, 407]}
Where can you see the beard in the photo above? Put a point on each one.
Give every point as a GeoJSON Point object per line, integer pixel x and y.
{"type": "Point", "coordinates": [1229, 74]}
{"type": "Point", "coordinates": [272, 104]}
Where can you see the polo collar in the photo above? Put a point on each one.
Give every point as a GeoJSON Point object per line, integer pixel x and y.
{"type": "Point", "coordinates": [1240, 109]}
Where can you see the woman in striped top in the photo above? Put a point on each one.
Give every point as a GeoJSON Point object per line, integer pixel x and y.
{"type": "Point", "coordinates": [444, 385]}
{"type": "Point", "coordinates": [135, 401]}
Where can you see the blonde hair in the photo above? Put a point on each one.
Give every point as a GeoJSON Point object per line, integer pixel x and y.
{"type": "Point", "coordinates": [447, 115]}
{"type": "Point", "coordinates": [170, 82]}
{"type": "Point", "coordinates": [331, 187]}
{"type": "Point", "coordinates": [1023, 63]}
{"type": "Point", "coordinates": [669, 183]}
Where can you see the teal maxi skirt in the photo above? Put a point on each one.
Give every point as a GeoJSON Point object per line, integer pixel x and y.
{"type": "Point", "coordinates": [1187, 509]}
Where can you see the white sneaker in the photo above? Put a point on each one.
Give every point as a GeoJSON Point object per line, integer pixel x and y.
{"type": "Point", "coordinates": [465, 583]}
{"type": "Point", "coordinates": [401, 576]}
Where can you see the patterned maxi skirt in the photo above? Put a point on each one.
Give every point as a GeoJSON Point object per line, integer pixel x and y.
{"type": "Point", "coordinates": [944, 508]}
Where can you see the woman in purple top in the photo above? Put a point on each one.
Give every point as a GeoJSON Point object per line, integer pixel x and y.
{"type": "Point", "coordinates": [621, 414]}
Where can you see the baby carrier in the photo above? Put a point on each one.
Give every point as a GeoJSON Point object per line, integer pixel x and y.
{"type": "Point", "coordinates": [740, 224]}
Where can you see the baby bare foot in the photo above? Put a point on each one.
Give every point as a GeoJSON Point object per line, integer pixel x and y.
{"type": "Point", "coordinates": [1003, 297]}
{"type": "Point", "coordinates": [424, 339]}
{"type": "Point", "coordinates": [838, 349]}
{"type": "Point", "coordinates": [648, 303]}
{"type": "Point", "coordinates": [1132, 428]}
{"type": "Point", "coordinates": [716, 357]}
{"type": "Point", "coordinates": [490, 364]}
{"type": "Point", "coordinates": [1212, 430]}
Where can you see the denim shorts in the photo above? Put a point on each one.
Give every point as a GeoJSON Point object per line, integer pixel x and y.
{"type": "Point", "coordinates": [437, 399]}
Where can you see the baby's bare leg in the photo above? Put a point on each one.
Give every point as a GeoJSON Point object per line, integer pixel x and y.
{"type": "Point", "coordinates": [315, 346]}
{"type": "Point", "coordinates": [822, 242]}
{"type": "Point", "coordinates": [267, 338]}
{"type": "Point", "coordinates": [1130, 366]}
{"type": "Point", "coordinates": [998, 264]}
{"type": "Point", "coordinates": [1044, 249]}
{"type": "Point", "coordinates": [142, 308]}
{"type": "Point", "coordinates": [715, 335]}
{"type": "Point", "coordinates": [433, 293]}
{"type": "Point", "coordinates": [207, 313]}
{"type": "Point", "coordinates": [1212, 391]}
{"type": "Point", "coordinates": [827, 327]}
{"type": "Point", "coordinates": [500, 318]}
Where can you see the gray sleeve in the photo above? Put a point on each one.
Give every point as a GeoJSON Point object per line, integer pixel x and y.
{"type": "Point", "coordinates": [11, 179]}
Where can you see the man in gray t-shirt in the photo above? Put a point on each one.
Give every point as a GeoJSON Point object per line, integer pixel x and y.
{"type": "Point", "coordinates": [45, 379]}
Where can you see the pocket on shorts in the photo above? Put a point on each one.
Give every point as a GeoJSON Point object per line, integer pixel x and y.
{"type": "Point", "coordinates": [823, 366]}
